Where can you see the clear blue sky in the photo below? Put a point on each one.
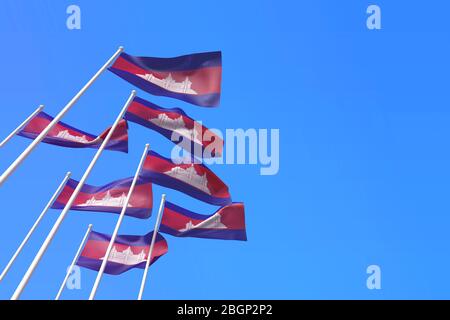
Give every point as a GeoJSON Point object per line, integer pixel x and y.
{"type": "Point", "coordinates": [364, 161]}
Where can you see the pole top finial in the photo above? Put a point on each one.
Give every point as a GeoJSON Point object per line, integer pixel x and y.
{"type": "Point", "coordinates": [90, 225]}
{"type": "Point", "coordinates": [121, 48]}
{"type": "Point", "coordinates": [68, 174]}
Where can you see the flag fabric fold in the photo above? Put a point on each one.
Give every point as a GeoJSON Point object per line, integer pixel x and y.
{"type": "Point", "coordinates": [174, 124]}
{"type": "Point", "coordinates": [129, 251]}
{"type": "Point", "coordinates": [227, 223]}
{"type": "Point", "coordinates": [192, 179]}
{"type": "Point", "coordinates": [65, 135]}
{"type": "Point", "coordinates": [110, 197]}
{"type": "Point", "coordinates": [194, 78]}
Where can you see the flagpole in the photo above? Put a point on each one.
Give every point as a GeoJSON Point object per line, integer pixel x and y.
{"type": "Point", "coordinates": [61, 114]}
{"type": "Point", "coordinates": [74, 261]}
{"type": "Point", "coordinates": [23, 124]}
{"type": "Point", "coordinates": [119, 222]}
{"type": "Point", "coordinates": [66, 209]}
{"type": "Point", "coordinates": [150, 252]}
{"type": "Point", "coordinates": [35, 225]}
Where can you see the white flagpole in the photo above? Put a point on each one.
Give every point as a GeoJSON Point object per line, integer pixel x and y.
{"type": "Point", "coordinates": [23, 124]}
{"type": "Point", "coordinates": [42, 135]}
{"type": "Point", "coordinates": [66, 209]}
{"type": "Point", "coordinates": [150, 252]}
{"type": "Point", "coordinates": [74, 261]}
{"type": "Point", "coordinates": [119, 222]}
{"type": "Point", "coordinates": [35, 225]}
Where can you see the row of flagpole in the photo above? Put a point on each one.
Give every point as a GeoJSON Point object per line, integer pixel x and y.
{"type": "Point", "coordinates": [7, 173]}
{"type": "Point", "coordinates": [16, 163]}
{"type": "Point", "coordinates": [61, 217]}
{"type": "Point", "coordinates": [67, 207]}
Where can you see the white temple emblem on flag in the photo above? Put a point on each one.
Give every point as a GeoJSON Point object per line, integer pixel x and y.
{"type": "Point", "coordinates": [169, 83]}
{"type": "Point", "coordinates": [210, 223]}
{"type": "Point", "coordinates": [190, 176]}
{"type": "Point", "coordinates": [67, 136]}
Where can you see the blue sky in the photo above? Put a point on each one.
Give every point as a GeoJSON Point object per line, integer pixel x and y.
{"type": "Point", "coordinates": [363, 118]}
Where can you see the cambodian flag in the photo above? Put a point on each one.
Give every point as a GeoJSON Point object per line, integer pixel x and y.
{"type": "Point", "coordinates": [194, 78]}
{"type": "Point", "coordinates": [67, 136]}
{"type": "Point", "coordinates": [128, 252]}
{"type": "Point", "coordinates": [192, 179]}
{"type": "Point", "coordinates": [227, 223]}
{"type": "Point", "coordinates": [110, 198]}
{"type": "Point", "coordinates": [169, 122]}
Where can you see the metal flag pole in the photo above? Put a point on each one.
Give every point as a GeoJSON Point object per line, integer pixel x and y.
{"type": "Point", "coordinates": [35, 225]}
{"type": "Point", "coordinates": [66, 209]}
{"type": "Point", "coordinates": [119, 222]}
{"type": "Point", "coordinates": [74, 261]}
{"type": "Point", "coordinates": [68, 106]}
{"type": "Point", "coordinates": [150, 252]}
{"type": "Point", "coordinates": [23, 124]}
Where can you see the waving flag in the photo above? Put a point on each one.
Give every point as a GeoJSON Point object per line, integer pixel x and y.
{"type": "Point", "coordinates": [227, 223]}
{"type": "Point", "coordinates": [110, 198]}
{"type": "Point", "coordinates": [128, 252]}
{"type": "Point", "coordinates": [194, 78]}
{"type": "Point", "coordinates": [170, 121]}
{"type": "Point", "coordinates": [67, 136]}
{"type": "Point", "coordinates": [195, 180]}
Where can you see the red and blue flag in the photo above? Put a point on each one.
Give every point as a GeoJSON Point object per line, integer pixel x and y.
{"type": "Point", "coordinates": [128, 252]}
{"type": "Point", "coordinates": [227, 223]}
{"type": "Point", "coordinates": [194, 78]}
{"type": "Point", "coordinates": [67, 136]}
{"type": "Point", "coordinates": [110, 197]}
{"type": "Point", "coordinates": [192, 179]}
{"type": "Point", "coordinates": [174, 121]}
